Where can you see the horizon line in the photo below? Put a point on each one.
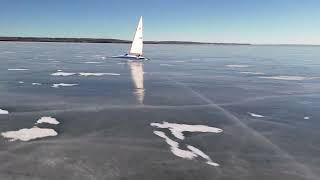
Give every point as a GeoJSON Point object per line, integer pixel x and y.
{"type": "Point", "coordinates": [186, 41]}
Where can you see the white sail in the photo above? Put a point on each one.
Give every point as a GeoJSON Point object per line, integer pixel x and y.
{"type": "Point", "coordinates": [137, 43]}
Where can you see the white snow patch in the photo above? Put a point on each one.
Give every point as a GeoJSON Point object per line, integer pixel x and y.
{"type": "Point", "coordinates": [213, 163]}
{"type": "Point", "coordinates": [98, 74]}
{"type": "Point", "coordinates": [29, 134]}
{"type": "Point", "coordinates": [63, 85]}
{"type": "Point", "coordinates": [288, 78]}
{"type": "Point", "coordinates": [202, 154]}
{"type": "Point", "coordinates": [238, 66]}
{"type": "Point", "coordinates": [36, 84]}
{"type": "Point", "coordinates": [98, 55]}
{"type": "Point", "coordinates": [17, 69]}
{"type": "Point", "coordinates": [20, 82]}
{"type": "Point", "coordinates": [62, 74]}
{"type": "Point", "coordinates": [306, 117]}
{"type": "Point", "coordinates": [166, 65]}
{"type": "Point", "coordinates": [49, 120]}
{"type": "Point", "coordinates": [4, 111]}
{"type": "Point", "coordinates": [92, 62]}
{"type": "Point", "coordinates": [190, 154]}
{"type": "Point", "coordinates": [178, 129]}
{"type": "Point", "coordinates": [174, 146]}
{"type": "Point", "coordinates": [252, 73]}
{"type": "Point", "coordinates": [59, 70]}
{"type": "Point", "coordinates": [7, 52]}
{"type": "Point", "coordinates": [255, 115]}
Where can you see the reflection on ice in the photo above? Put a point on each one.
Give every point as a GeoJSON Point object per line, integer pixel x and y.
{"type": "Point", "coordinates": [136, 69]}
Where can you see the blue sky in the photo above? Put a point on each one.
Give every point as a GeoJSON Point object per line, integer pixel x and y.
{"type": "Point", "coordinates": [251, 21]}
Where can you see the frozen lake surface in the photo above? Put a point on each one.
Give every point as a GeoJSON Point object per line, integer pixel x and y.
{"type": "Point", "coordinates": [193, 112]}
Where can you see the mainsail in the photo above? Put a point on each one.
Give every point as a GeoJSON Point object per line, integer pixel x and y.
{"type": "Point", "coordinates": [137, 43]}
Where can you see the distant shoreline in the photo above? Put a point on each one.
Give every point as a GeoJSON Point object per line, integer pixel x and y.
{"type": "Point", "coordinates": [98, 40]}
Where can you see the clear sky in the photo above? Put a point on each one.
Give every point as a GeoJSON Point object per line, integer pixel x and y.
{"type": "Point", "coordinates": [247, 21]}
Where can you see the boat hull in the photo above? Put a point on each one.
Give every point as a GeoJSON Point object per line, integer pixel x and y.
{"type": "Point", "coordinates": [131, 57]}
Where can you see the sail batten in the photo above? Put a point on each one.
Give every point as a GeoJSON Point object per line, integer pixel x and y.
{"type": "Point", "coordinates": [137, 43]}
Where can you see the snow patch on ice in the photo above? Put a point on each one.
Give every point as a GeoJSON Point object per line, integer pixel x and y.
{"type": "Point", "coordinates": [49, 120]}
{"type": "Point", "coordinates": [2, 111]}
{"type": "Point", "coordinates": [178, 129]}
{"type": "Point", "coordinates": [198, 152]}
{"type": "Point", "coordinates": [98, 74]}
{"type": "Point", "coordinates": [63, 85]}
{"type": "Point", "coordinates": [255, 115]}
{"type": "Point", "coordinates": [190, 154]}
{"type": "Point", "coordinates": [166, 65]}
{"type": "Point", "coordinates": [92, 62]}
{"type": "Point", "coordinates": [36, 84]}
{"type": "Point", "coordinates": [62, 74]}
{"type": "Point", "coordinates": [289, 78]}
{"type": "Point", "coordinates": [237, 65]}
{"type": "Point", "coordinates": [174, 146]}
{"type": "Point", "coordinates": [17, 69]}
{"type": "Point", "coordinates": [252, 73]}
{"type": "Point", "coordinates": [29, 134]}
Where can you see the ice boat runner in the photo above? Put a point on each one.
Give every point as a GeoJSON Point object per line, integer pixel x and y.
{"type": "Point", "coordinates": [136, 46]}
